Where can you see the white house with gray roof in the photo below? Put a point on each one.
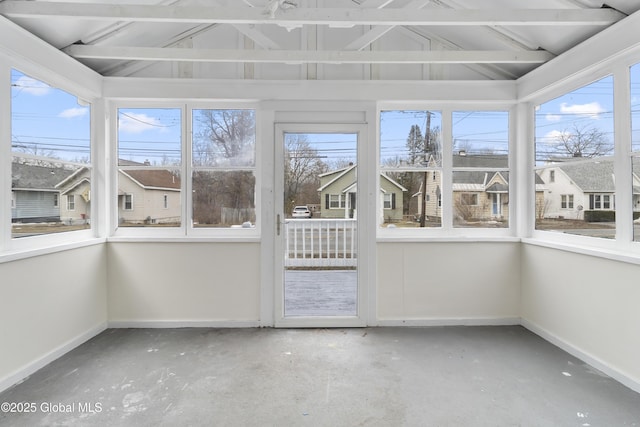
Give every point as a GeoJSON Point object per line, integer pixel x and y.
{"type": "Point", "coordinates": [34, 195]}
{"type": "Point", "coordinates": [578, 185]}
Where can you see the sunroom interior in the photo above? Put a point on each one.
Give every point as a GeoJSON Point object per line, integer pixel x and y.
{"type": "Point", "coordinates": [536, 242]}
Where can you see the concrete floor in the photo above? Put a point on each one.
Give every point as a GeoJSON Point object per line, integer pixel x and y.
{"type": "Point", "coordinates": [441, 376]}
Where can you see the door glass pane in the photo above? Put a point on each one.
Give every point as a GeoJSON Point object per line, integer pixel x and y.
{"type": "Point", "coordinates": [320, 234]}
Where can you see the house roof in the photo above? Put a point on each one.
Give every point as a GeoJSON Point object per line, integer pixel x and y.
{"type": "Point", "coordinates": [339, 173]}
{"type": "Point", "coordinates": [35, 177]}
{"type": "Point", "coordinates": [477, 40]}
{"type": "Point", "coordinates": [590, 176]}
{"type": "Point", "coordinates": [154, 178]}
{"type": "Point", "coordinates": [481, 160]}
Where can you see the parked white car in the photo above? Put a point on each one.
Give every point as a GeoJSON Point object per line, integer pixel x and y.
{"type": "Point", "coordinates": [301, 212]}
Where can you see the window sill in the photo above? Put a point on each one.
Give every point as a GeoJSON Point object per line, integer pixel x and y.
{"type": "Point", "coordinates": [628, 256]}
{"type": "Point", "coordinates": [16, 255]}
{"type": "Point", "coordinates": [184, 239]}
{"type": "Point", "coordinates": [443, 239]}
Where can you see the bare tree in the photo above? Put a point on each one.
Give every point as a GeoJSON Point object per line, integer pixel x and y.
{"type": "Point", "coordinates": [302, 168]}
{"type": "Point", "coordinates": [583, 141]}
{"type": "Point", "coordinates": [223, 138]}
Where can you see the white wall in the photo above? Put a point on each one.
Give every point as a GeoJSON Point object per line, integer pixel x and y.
{"type": "Point", "coordinates": [448, 283]}
{"type": "Point", "coordinates": [159, 284]}
{"type": "Point", "coordinates": [48, 305]}
{"type": "Point", "coordinates": [588, 305]}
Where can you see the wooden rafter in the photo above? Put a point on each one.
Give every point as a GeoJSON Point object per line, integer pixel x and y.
{"type": "Point", "coordinates": [305, 16]}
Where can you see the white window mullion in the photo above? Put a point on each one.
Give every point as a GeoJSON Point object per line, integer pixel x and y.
{"type": "Point", "coordinates": [447, 173]}
{"type": "Point", "coordinates": [187, 170]}
{"type": "Point", "coordinates": [622, 160]}
{"type": "Point", "coordinates": [5, 156]}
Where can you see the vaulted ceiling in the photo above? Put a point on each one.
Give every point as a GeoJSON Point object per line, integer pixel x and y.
{"type": "Point", "coordinates": [316, 39]}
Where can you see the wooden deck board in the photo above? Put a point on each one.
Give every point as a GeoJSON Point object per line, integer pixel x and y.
{"type": "Point", "coordinates": [320, 293]}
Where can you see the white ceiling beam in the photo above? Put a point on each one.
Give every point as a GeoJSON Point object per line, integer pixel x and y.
{"type": "Point", "coordinates": [301, 57]}
{"type": "Point", "coordinates": [379, 31]}
{"type": "Point", "coordinates": [375, 4]}
{"type": "Point", "coordinates": [304, 16]}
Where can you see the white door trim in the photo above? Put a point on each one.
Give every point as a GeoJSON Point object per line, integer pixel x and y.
{"type": "Point", "coordinates": [364, 233]}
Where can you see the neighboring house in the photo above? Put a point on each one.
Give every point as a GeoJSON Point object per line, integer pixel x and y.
{"type": "Point", "coordinates": [477, 194]}
{"type": "Point", "coordinates": [34, 195]}
{"type": "Point", "coordinates": [148, 196]}
{"type": "Point", "coordinates": [575, 186]}
{"type": "Point", "coordinates": [75, 196]}
{"type": "Point", "coordinates": [338, 195]}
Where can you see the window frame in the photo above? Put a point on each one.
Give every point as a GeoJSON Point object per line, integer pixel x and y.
{"type": "Point", "coordinates": [186, 228]}
{"type": "Point", "coordinates": [340, 201]}
{"type": "Point", "coordinates": [127, 200]}
{"type": "Point", "coordinates": [390, 197]}
{"type": "Point", "coordinates": [622, 246]}
{"type": "Point", "coordinates": [11, 247]}
{"type": "Point", "coordinates": [474, 198]}
{"type": "Point", "coordinates": [447, 230]}
{"type": "Point", "coordinates": [566, 201]}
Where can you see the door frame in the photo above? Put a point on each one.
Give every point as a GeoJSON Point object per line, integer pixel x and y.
{"type": "Point", "coordinates": [363, 238]}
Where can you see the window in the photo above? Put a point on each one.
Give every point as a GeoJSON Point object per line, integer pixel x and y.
{"type": "Point", "coordinates": [477, 155]}
{"type": "Point", "coordinates": [149, 167]}
{"type": "Point", "coordinates": [470, 199]}
{"type": "Point", "coordinates": [223, 178]}
{"type": "Point", "coordinates": [389, 201]}
{"type": "Point", "coordinates": [411, 158]}
{"type": "Point", "coordinates": [601, 201]}
{"type": "Point", "coordinates": [574, 176]}
{"type": "Point", "coordinates": [635, 147]}
{"type": "Point", "coordinates": [159, 175]}
{"type": "Point", "coordinates": [336, 201]}
{"type": "Point", "coordinates": [127, 202]}
{"type": "Point", "coordinates": [566, 201]}
{"type": "Point", "coordinates": [51, 155]}
{"type": "Point", "coordinates": [480, 169]}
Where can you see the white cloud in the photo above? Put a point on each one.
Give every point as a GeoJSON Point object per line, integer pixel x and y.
{"type": "Point", "coordinates": [73, 112]}
{"type": "Point", "coordinates": [137, 123]}
{"type": "Point", "coordinates": [556, 135]}
{"type": "Point", "coordinates": [591, 110]}
{"type": "Point", "coordinates": [32, 86]}
{"type": "Point", "coordinates": [553, 118]}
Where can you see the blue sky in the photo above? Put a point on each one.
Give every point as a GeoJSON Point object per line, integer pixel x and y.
{"type": "Point", "coordinates": [479, 132]}
{"type": "Point", "coordinates": [49, 121]}
{"type": "Point", "coordinates": [589, 107]}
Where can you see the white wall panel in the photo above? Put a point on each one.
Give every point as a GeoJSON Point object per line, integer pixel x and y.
{"type": "Point", "coordinates": [457, 283]}
{"type": "Point", "coordinates": [48, 305]}
{"type": "Point", "coordinates": [587, 303]}
{"type": "Point", "coordinates": [185, 283]}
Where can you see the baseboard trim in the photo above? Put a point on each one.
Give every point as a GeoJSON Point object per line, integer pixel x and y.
{"type": "Point", "coordinates": [30, 368]}
{"type": "Point", "coordinates": [457, 321]}
{"type": "Point", "coordinates": [582, 355]}
{"type": "Point", "coordinates": [173, 324]}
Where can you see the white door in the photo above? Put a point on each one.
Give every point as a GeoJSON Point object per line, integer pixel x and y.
{"type": "Point", "coordinates": [317, 271]}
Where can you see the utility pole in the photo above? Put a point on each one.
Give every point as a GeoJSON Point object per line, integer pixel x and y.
{"type": "Point", "coordinates": [427, 145]}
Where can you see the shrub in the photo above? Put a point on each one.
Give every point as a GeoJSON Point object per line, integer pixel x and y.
{"type": "Point", "coordinates": [600, 216]}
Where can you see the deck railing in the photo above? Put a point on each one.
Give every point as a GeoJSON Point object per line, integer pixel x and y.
{"type": "Point", "coordinates": [320, 243]}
